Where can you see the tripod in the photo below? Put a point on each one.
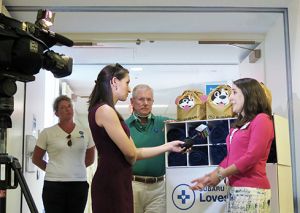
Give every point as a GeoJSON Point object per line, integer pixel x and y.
{"type": "Point", "coordinates": [10, 166]}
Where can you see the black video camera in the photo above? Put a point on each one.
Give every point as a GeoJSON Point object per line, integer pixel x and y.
{"type": "Point", "coordinates": [25, 49]}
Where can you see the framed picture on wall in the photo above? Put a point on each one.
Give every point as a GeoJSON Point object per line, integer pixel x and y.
{"type": "Point", "coordinates": [30, 141]}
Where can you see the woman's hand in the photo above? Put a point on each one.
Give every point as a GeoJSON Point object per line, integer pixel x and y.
{"type": "Point", "coordinates": [213, 179]}
{"type": "Point", "coordinates": [201, 182]}
{"type": "Point", "coordinates": [210, 179]}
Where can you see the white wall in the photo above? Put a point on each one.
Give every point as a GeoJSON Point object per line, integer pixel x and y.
{"type": "Point", "coordinates": [34, 111]}
{"type": "Point", "coordinates": [275, 66]}
{"type": "Point", "coordinates": [39, 99]}
{"type": "Point", "coordinates": [254, 70]}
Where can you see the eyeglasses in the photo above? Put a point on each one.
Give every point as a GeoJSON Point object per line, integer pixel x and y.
{"type": "Point", "coordinates": [69, 140]}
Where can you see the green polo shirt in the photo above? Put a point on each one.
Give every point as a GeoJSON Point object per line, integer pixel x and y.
{"type": "Point", "coordinates": [149, 135]}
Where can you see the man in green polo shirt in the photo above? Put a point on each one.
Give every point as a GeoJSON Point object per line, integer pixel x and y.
{"type": "Point", "coordinates": [147, 130]}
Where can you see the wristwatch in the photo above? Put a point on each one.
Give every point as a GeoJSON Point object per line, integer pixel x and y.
{"type": "Point", "coordinates": [220, 176]}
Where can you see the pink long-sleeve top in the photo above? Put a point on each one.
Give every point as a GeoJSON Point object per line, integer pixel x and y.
{"type": "Point", "coordinates": [248, 149]}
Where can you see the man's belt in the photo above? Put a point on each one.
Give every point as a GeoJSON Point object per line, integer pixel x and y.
{"type": "Point", "coordinates": [144, 179]}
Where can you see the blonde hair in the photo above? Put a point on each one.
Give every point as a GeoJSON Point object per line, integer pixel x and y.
{"type": "Point", "coordinates": [267, 92]}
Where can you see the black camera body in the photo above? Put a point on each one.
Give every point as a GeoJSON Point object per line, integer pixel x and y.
{"type": "Point", "coordinates": [25, 49]}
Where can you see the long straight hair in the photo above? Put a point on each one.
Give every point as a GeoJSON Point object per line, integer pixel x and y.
{"type": "Point", "coordinates": [102, 92]}
{"type": "Point", "coordinates": [255, 100]}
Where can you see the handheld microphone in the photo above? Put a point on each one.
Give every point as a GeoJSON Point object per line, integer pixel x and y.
{"type": "Point", "coordinates": [202, 131]}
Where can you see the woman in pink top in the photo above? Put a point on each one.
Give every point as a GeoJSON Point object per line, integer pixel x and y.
{"type": "Point", "coordinates": [248, 147]}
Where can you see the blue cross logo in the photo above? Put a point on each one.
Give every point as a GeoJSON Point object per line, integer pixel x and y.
{"type": "Point", "coordinates": [183, 196]}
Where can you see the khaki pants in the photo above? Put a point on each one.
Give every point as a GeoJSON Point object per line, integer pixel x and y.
{"type": "Point", "coordinates": [149, 197]}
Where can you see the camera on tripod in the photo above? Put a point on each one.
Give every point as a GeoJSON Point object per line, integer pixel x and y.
{"type": "Point", "coordinates": [24, 50]}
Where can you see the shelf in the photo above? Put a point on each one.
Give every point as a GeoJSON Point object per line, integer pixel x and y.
{"type": "Point", "coordinates": [207, 151]}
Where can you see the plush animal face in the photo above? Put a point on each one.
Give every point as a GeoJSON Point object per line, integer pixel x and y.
{"type": "Point", "coordinates": [220, 97]}
{"type": "Point", "coordinates": [186, 103]}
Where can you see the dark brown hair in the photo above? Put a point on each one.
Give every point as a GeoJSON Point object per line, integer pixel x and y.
{"type": "Point", "coordinates": [255, 100]}
{"type": "Point", "coordinates": [102, 92]}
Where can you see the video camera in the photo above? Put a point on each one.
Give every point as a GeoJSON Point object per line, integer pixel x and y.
{"type": "Point", "coordinates": [25, 48]}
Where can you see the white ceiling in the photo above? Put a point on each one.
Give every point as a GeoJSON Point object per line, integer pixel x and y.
{"type": "Point", "coordinates": [169, 54]}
